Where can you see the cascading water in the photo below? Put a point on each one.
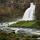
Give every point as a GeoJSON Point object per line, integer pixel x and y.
{"type": "Point", "coordinates": [29, 13]}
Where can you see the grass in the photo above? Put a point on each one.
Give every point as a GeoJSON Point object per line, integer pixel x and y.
{"type": "Point", "coordinates": [23, 24]}
{"type": "Point", "coordinates": [30, 24]}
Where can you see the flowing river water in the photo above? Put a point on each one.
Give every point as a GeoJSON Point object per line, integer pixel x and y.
{"type": "Point", "coordinates": [21, 31]}
{"type": "Point", "coordinates": [27, 16]}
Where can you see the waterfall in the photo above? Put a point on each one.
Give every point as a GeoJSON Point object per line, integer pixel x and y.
{"type": "Point", "coordinates": [29, 13]}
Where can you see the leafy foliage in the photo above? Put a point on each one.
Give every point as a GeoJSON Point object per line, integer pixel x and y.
{"type": "Point", "coordinates": [12, 36]}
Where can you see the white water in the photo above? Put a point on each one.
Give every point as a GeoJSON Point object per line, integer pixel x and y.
{"type": "Point", "coordinates": [6, 24]}
{"type": "Point", "coordinates": [28, 31]}
{"type": "Point", "coordinates": [29, 13]}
